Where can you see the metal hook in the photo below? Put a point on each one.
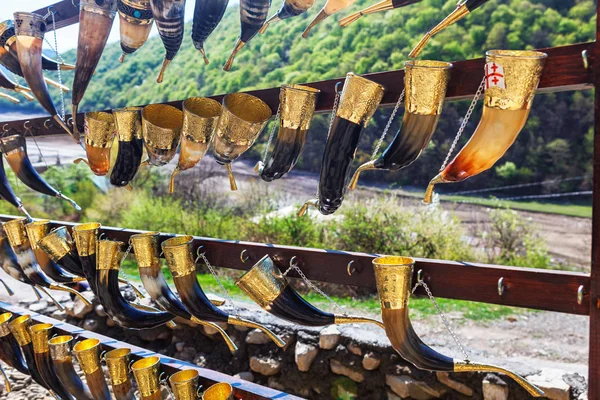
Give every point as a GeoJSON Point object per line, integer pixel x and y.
{"type": "Point", "coordinates": [293, 262]}
{"type": "Point", "coordinates": [420, 275]}
{"type": "Point", "coordinates": [70, 121]}
{"type": "Point", "coordinates": [74, 5]}
{"type": "Point", "coordinates": [5, 128]}
{"type": "Point", "coordinates": [199, 391]}
{"type": "Point", "coordinates": [198, 250]}
{"type": "Point", "coordinates": [130, 364]}
{"type": "Point", "coordinates": [337, 87]}
{"type": "Point", "coordinates": [243, 256]}
{"type": "Point", "coordinates": [27, 125]}
{"type": "Point", "coordinates": [501, 286]}
{"type": "Point", "coordinates": [584, 56]}
{"type": "Point", "coordinates": [103, 356]}
{"type": "Point", "coordinates": [580, 294]}
{"type": "Point", "coordinates": [47, 123]}
{"type": "Point", "coordinates": [350, 268]}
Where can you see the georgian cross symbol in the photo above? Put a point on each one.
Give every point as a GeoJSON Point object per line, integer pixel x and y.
{"type": "Point", "coordinates": [494, 75]}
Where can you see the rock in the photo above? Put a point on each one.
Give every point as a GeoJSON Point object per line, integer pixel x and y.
{"type": "Point", "coordinates": [240, 328]}
{"type": "Point", "coordinates": [444, 377]}
{"type": "Point", "coordinates": [406, 386]}
{"type": "Point", "coordinates": [288, 338]}
{"type": "Point", "coordinates": [551, 382]}
{"type": "Point", "coordinates": [340, 369]}
{"type": "Point", "coordinates": [246, 376]}
{"type": "Point", "coordinates": [583, 396]}
{"type": "Point", "coordinates": [265, 366]}
{"type": "Point", "coordinates": [78, 309]}
{"type": "Point", "coordinates": [91, 324]}
{"type": "Point", "coordinates": [150, 335]}
{"type": "Point", "coordinates": [200, 360]}
{"type": "Point", "coordinates": [354, 349]}
{"type": "Point", "coordinates": [209, 330]}
{"type": "Point", "coordinates": [18, 386]}
{"type": "Point", "coordinates": [393, 396]}
{"type": "Point", "coordinates": [371, 361]}
{"type": "Point", "coordinates": [273, 383]}
{"type": "Point", "coordinates": [304, 355]}
{"type": "Point", "coordinates": [100, 311]}
{"type": "Point", "coordinates": [59, 315]}
{"type": "Point", "coordinates": [179, 346]}
{"type": "Point", "coordinates": [188, 354]}
{"type": "Point", "coordinates": [329, 337]}
{"type": "Point", "coordinates": [256, 336]}
{"type": "Point", "coordinates": [38, 307]}
{"type": "Point", "coordinates": [492, 391]}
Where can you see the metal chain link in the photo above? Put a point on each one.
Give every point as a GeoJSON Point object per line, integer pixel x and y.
{"type": "Point", "coordinates": [443, 318]}
{"type": "Point", "coordinates": [59, 60]}
{"type": "Point", "coordinates": [272, 134]}
{"type": "Point", "coordinates": [463, 125]}
{"type": "Point", "coordinates": [214, 274]}
{"type": "Point", "coordinates": [388, 125]}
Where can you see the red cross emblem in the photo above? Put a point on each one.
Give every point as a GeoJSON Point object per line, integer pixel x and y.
{"type": "Point", "coordinates": [494, 75]}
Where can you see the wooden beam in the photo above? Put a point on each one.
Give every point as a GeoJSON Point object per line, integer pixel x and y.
{"type": "Point", "coordinates": [65, 13]}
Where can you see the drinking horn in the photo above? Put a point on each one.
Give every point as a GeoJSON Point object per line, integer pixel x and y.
{"type": "Point", "coordinates": [128, 123]}
{"type": "Point", "coordinates": [7, 193]}
{"type": "Point", "coordinates": [117, 361]}
{"type": "Point", "coordinates": [511, 79]}
{"type": "Point", "coordinates": [10, 264]}
{"type": "Point", "coordinates": [62, 361]}
{"type": "Point", "coordinates": [21, 245]}
{"type": "Point", "coordinates": [161, 127]}
{"type": "Point", "coordinates": [218, 391]}
{"type": "Point", "coordinates": [87, 353]}
{"type": "Point", "coordinates": [10, 352]}
{"type": "Point", "coordinates": [29, 29]}
{"type": "Point", "coordinates": [243, 118]}
{"type": "Point", "coordinates": [10, 98]}
{"type": "Point", "coordinates": [425, 83]}
{"type": "Point", "coordinates": [147, 253]}
{"type": "Point", "coordinates": [462, 9]}
{"type": "Point", "coordinates": [253, 14]}
{"type": "Point", "coordinates": [99, 131]}
{"type": "Point", "coordinates": [265, 284]}
{"type": "Point", "coordinates": [14, 148]}
{"type": "Point", "coordinates": [107, 284]}
{"type": "Point", "coordinates": [169, 16]}
{"type": "Point", "coordinates": [393, 276]}
{"type": "Point", "coordinates": [359, 99]}
{"type": "Point", "coordinates": [36, 231]}
{"type": "Point", "coordinates": [145, 371]}
{"type": "Point", "coordinates": [297, 104]}
{"type": "Point", "coordinates": [184, 384]}
{"type": "Point", "coordinates": [207, 15]}
{"type": "Point", "coordinates": [58, 245]}
{"type": "Point", "coordinates": [331, 7]}
{"type": "Point", "coordinates": [200, 117]}
{"type": "Point", "coordinates": [8, 84]}
{"type": "Point", "coordinates": [178, 253]}
{"type": "Point", "coordinates": [384, 5]}
{"type": "Point", "coordinates": [289, 8]}
{"type": "Point", "coordinates": [40, 334]}
{"type": "Point", "coordinates": [136, 21]}
{"type": "Point", "coordinates": [95, 22]}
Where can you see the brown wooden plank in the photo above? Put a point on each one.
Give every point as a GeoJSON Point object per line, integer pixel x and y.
{"type": "Point", "coordinates": [242, 389]}
{"type": "Point", "coordinates": [65, 13]}
{"type": "Point", "coordinates": [564, 71]}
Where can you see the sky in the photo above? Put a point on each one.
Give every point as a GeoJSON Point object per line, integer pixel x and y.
{"type": "Point", "coordinates": [67, 37]}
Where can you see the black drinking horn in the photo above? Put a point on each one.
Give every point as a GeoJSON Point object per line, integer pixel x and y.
{"type": "Point", "coordinates": [265, 284]}
{"type": "Point", "coordinates": [36, 231]}
{"type": "Point", "coordinates": [136, 23]}
{"type": "Point", "coordinates": [15, 151]}
{"type": "Point", "coordinates": [12, 64]}
{"type": "Point", "coordinates": [62, 362]}
{"type": "Point", "coordinates": [128, 124]}
{"type": "Point", "coordinates": [289, 8]}
{"type": "Point", "coordinates": [29, 29]}
{"type": "Point", "coordinates": [253, 14]}
{"type": "Point", "coordinates": [125, 314]}
{"type": "Point", "coordinates": [95, 22]}
{"type": "Point", "coordinates": [358, 102]}
{"type": "Point", "coordinates": [40, 334]}
{"type": "Point", "coordinates": [330, 7]}
{"type": "Point", "coordinates": [10, 352]}
{"type": "Point", "coordinates": [375, 8]}
{"type": "Point", "coordinates": [169, 16]}
{"type": "Point", "coordinates": [7, 193]}
{"type": "Point", "coordinates": [178, 253]}
{"type": "Point", "coordinates": [10, 264]}
{"type": "Point", "coordinates": [207, 15]}
{"type": "Point", "coordinates": [8, 84]}
{"type": "Point", "coordinates": [147, 251]}
{"type": "Point", "coordinates": [59, 246]}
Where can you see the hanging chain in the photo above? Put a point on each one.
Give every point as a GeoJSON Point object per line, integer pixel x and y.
{"type": "Point", "coordinates": [463, 125]}
{"type": "Point", "coordinates": [58, 70]}
{"type": "Point", "coordinates": [272, 134]}
{"type": "Point", "coordinates": [388, 125]}
{"type": "Point", "coordinates": [214, 274]}
{"type": "Point", "coordinates": [312, 286]}
{"type": "Point", "coordinates": [443, 318]}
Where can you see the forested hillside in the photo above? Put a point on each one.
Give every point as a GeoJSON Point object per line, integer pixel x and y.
{"type": "Point", "coordinates": [555, 143]}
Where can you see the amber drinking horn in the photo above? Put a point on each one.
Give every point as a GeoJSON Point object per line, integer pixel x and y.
{"type": "Point", "coordinates": [128, 123]}
{"type": "Point", "coordinates": [10, 352]}
{"type": "Point", "coordinates": [95, 22]}
{"type": "Point", "coordinates": [8, 84]}
{"type": "Point", "coordinates": [512, 78]}
{"type": "Point", "coordinates": [375, 8]}
{"type": "Point", "coordinates": [99, 132]}
{"type": "Point", "coordinates": [87, 353]}
{"type": "Point", "coordinates": [136, 21]}
{"type": "Point", "coordinates": [7, 193]}
{"type": "Point", "coordinates": [242, 120]}
{"type": "Point", "coordinates": [62, 361]}
{"type": "Point", "coordinates": [178, 253]}
{"type": "Point", "coordinates": [253, 14]}
{"type": "Point", "coordinates": [59, 246]}
{"type": "Point", "coordinates": [331, 7]}
{"type": "Point", "coordinates": [117, 361]}
{"type": "Point", "coordinates": [169, 16]}
{"type": "Point", "coordinates": [200, 117]}
{"type": "Point", "coordinates": [10, 264]}
{"type": "Point", "coordinates": [10, 98]}
{"type": "Point", "coordinates": [161, 127]}
{"type": "Point", "coordinates": [297, 106]}
{"type": "Point", "coordinates": [289, 9]}
{"type": "Point", "coordinates": [207, 15]}
{"type": "Point", "coordinates": [393, 276]}
{"type": "Point", "coordinates": [425, 83]}
{"type": "Point", "coordinates": [30, 30]}
{"type": "Point", "coordinates": [19, 327]}
{"type": "Point", "coordinates": [358, 102]}
{"type": "Point", "coordinates": [145, 372]}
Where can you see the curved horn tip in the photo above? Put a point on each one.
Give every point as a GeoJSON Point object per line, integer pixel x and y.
{"type": "Point", "coordinates": [206, 61]}
{"type": "Point", "coordinates": [420, 46]}
{"type": "Point", "coordinates": [172, 180]}
{"type": "Point", "coordinates": [8, 289]}
{"type": "Point", "coordinates": [365, 167]}
{"type": "Point", "coordinates": [304, 208]}
{"type": "Point", "coordinates": [249, 324]}
{"type": "Point", "coordinates": [259, 167]}
{"type": "Point", "coordinates": [428, 198]}
{"type": "Point", "coordinates": [232, 183]}
{"type": "Point", "coordinates": [238, 46]}
{"type": "Point", "coordinates": [161, 74]}
{"type": "Point", "coordinates": [344, 22]}
{"type": "Point", "coordinates": [129, 187]}
{"type": "Point", "coordinates": [320, 17]}
{"type": "Point", "coordinates": [122, 58]}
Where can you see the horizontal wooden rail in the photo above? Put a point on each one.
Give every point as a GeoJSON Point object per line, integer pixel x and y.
{"type": "Point", "coordinates": [530, 288]}
{"type": "Point", "coordinates": [242, 389]}
{"type": "Point", "coordinates": [564, 70]}
{"type": "Point", "coordinates": [66, 12]}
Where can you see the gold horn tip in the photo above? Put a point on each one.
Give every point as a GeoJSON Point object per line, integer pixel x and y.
{"type": "Point", "coordinates": [234, 320]}
{"type": "Point", "coordinates": [428, 198]}
{"type": "Point", "coordinates": [161, 74]}
{"type": "Point", "coordinates": [236, 49]}
{"type": "Point", "coordinates": [258, 168]}
{"type": "Point", "coordinates": [203, 52]}
{"type": "Point", "coordinates": [73, 291]}
{"type": "Point", "coordinates": [344, 22]}
{"type": "Point", "coordinates": [320, 17]}
{"type": "Point", "coordinates": [122, 58]}
{"type": "Point", "coordinates": [366, 166]}
{"type": "Point", "coordinates": [230, 343]}
{"type": "Point", "coordinates": [420, 46]}
{"type": "Point", "coordinates": [81, 160]}
{"type": "Point", "coordinates": [304, 208]}
{"type": "Point", "coordinates": [232, 183]}
{"type": "Point", "coordinates": [67, 67]}
{"type": "Point", "coordinates": [129, 187]}
{"type": "Point", "coordinates": [172, 180]}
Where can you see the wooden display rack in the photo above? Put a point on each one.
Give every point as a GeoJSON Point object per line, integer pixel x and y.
{"type": "Point", "coordinates": [570, 67]}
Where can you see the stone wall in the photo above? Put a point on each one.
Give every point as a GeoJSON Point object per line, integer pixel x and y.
{"type": "Point", "coordinates": [338, 362]}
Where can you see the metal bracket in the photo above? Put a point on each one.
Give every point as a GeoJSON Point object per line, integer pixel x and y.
{"type": "Point", "coordinates": [501, 286]}
{"type": "Point", "coordinates": [244, 257]}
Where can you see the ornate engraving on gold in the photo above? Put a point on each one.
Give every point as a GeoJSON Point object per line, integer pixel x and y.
{"type": "Point", "coordinates": [4, 321]}
{"type": "Point", "coordinates": [60, 347]}
{"type": "Point", "coordinates": [57, 243]}
{"type": "Point", "coordinates": [117, 361]}
{"type": "Point", "coordinates": [107, 8]}
{"type": "Point", "coordinates": [178, 253]}
{"type": "Point", "coordinates": [29, 24]}
{"type": "Point", "coordinates": [37, 230]}
{"type": "Point", "coordinates": [426, 83]}
{"type": "Point", "coordinates": [128, 122]}
{"type": "Point", "coordinates": [99, 129]}
{"type": "Point", "coordinates": [145, 372]}
{"type": "Point", "coordinates": [359, 100]}
{"type": "Point", "coordinates": [348, 319]}
{"type": "Point", "coordinates": [146, 249]}
{"type": "Point", "coordinates": [393, 276]}
{"type": "Point", "coordinates": [184, 384]}
{"type": "Point", "coordinates": [263, 282]}
{"type": "Point", "coordinates": [464, 366]}
{"type": "Point", "coordinates": [109, 255]}
{"type": "Point", "coordinates": [298, 104]}
{"type": "Point", "coordinates": [161, 127]}
{"type": "Point", "coordinates": [86, 236]}
{"type": "Point", "coordinates": [141, 5]}
{"type": "Point", "coordinates": [218, 391]}
{"type": "Point", "coordinates": [40, 333]}
{"type": "Point", "coordinates": [17, 233]}
{"type": "Point", "coordinates": [86, 352]}
{"type": "Point", "coordinates": [20, 329]}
